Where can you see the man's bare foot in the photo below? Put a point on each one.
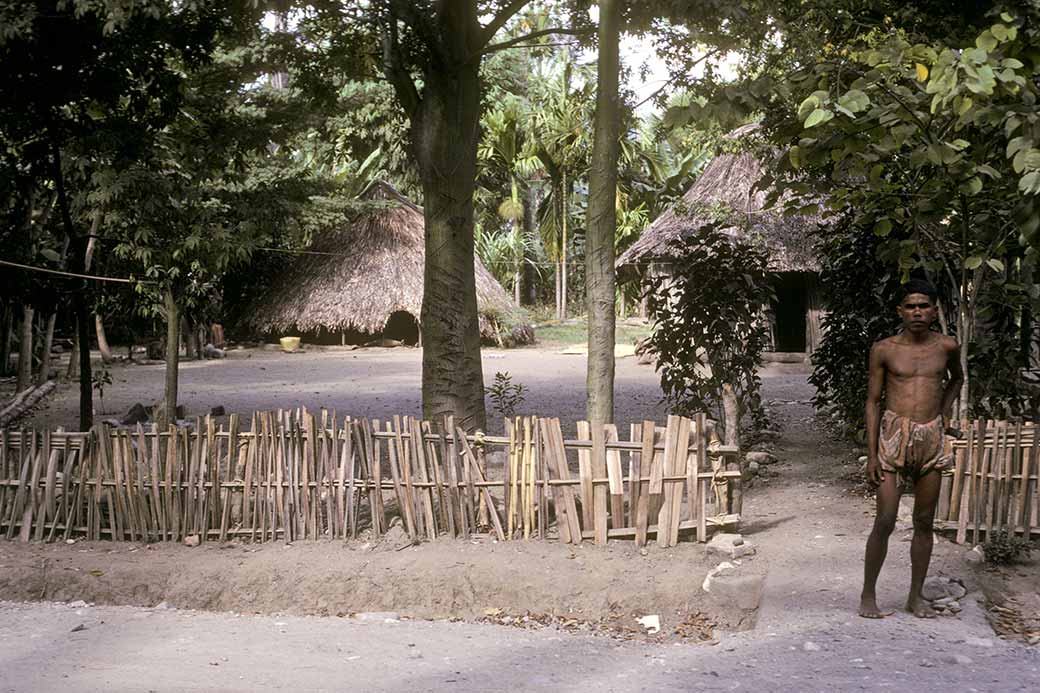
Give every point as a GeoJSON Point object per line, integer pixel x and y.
{"type": "Point", "coordinates": [868, 608]}
{"type": "Point", "coordinates": [919, 607]}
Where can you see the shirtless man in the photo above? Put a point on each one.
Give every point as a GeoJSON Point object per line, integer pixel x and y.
{"type": "Point", "coordinates": [905, 442]}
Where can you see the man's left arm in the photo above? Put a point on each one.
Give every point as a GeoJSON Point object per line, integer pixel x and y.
{"type": "Point", "coordinates": [955, 380]}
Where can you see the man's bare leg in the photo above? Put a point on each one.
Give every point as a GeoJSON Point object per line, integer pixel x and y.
{"type": "Point", "coordinates": [888, 494]}
{"type": "Point", "coordinates": [926, 496]}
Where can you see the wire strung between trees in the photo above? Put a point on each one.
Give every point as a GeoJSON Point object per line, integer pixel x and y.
{"type": "Point", "coordinates": [76, 275]}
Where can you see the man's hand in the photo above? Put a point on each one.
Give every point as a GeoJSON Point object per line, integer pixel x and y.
{"type": "Point", "coordinates": [875, 474]}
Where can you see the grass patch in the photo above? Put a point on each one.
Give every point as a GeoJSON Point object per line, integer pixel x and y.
{"type": "Point", "coordinates": [576, 332]}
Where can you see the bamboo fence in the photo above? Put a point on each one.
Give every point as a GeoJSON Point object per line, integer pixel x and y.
{"type": "Point", "coordinates": [992, 485]}
{"type": "Point", "coordinates": [293, 475]}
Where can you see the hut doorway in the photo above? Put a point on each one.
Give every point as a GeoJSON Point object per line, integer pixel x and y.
{"type": "Point", "coordinates": [789, 311]}
{"type": "Point", "coordinates": [403, 326]}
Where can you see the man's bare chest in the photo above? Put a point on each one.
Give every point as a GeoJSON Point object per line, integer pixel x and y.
{"type": "Point", "coordinates": [916, 362]}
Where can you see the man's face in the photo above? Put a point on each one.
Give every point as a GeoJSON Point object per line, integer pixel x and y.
{"type": "Point", "coordinates": [917, 312]}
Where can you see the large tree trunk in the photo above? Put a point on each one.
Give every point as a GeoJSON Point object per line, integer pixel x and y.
{"type": "Point", "coordinates": [25, 351]}
{"type": "Point", "coordinates": [102, 340]}
{"type": "Point", "coordinates": [602, 225]}
{"type": "Point", "coordinates": [82, 250]}
{"type": "Point", "coordinates": [444, 136]}
{"type": "Point", "coordinates": [168, 410]}
{"type": "Point", "coordinates": [44, 374]}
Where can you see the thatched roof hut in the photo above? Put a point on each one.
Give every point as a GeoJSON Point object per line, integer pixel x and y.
{"type": "Point", "coordinates": [726, 191]}
{"type": "Point", "coordinates": [355, 278]}
{"type": "Point", "coordinates": [725, 186]}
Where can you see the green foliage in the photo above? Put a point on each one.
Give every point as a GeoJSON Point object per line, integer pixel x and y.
{"type": "Point", "coordinates": [709, 330]}
{"type": "Point", "coordinates": [100, 379]}
{"type": "Point", "coordinates": [505, 395]}
{"type": "Point", "coordinates": [1005, 549]}
{"type": "Point", "coordinates": [858, 287]}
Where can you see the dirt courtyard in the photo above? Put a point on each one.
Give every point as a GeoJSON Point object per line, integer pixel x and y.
{"type": "Point", "coordinates": [803, 514]}
{"type": "Point", "coordinates": [374, 382]}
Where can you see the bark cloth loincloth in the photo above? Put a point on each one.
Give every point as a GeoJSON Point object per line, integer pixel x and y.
{"type": "Point", "coordinates": [912, 449]}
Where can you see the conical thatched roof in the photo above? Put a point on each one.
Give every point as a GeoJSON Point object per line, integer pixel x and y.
{"type": "Point", "coordinates": [373, 268]}
{"type": "Point", "coordinates": [724, 189]}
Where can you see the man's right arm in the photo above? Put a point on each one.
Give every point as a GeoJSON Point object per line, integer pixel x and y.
{"type": "Point", "coordinates": [875, 381]}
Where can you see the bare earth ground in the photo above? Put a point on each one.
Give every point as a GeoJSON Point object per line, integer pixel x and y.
{"type": "Point", "coordinates": [808, 526]}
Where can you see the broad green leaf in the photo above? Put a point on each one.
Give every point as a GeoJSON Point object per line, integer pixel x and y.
{"type": "Point", "coordinates": [995, 265]}
{"type": "Point", "coordinates": [795, 155]}
{"type": "Point", "coordinates": [959, 144]}
{"type": "Point", "coordinates": [973, 186]}
{"type": "Point", "coordinates": [808, 106]}
{"type": "Point", "coordinates": [1030, 183]}
{"type": "Point", "coordinates": [883, 227]}
{"type": "Point", "coordinates": [999, 31]}
{"type": "Point", "coordinates": [854, 100]}
{"type": "Point", "coordinates": [875, 174]}
{"type": "Point", "coordinates": [50, 255]}
{"type": "Point", "coordinates": [964, 104]}
{"type": "Point", "coordinates": [1015, 145]}
{"type": "Point", "coordinates": [988, 170]}
{"type": "Point", "coordinates": [820, 115]}
{"type": "Point", "coordinates": [1031, 159]}
{"type": "Point", "coordinates": [973, 262]}
{"type": "Point", "coordinates": [1006, 17]}
{"type": "Point", "coordinates": [1011, 63]}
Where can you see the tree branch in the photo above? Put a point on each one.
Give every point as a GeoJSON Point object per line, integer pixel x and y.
{"type": "Point", "coordinates": [533, 35]}
{"type": "Point", "coordinates": [670, 81]}
{"type": "Point", "coordinates": [396, 72]}
{"type": "Point", "coordinates": [499, 21]}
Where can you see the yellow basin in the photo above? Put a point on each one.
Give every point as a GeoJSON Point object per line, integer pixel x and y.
{"type": "Point", "coordinates": [289, 344]}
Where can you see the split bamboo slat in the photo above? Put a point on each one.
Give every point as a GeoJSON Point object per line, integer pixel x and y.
{"type": "Point", "coordinates": [991, 486]}
{"type": "Point", "coordinates": [294, 475]}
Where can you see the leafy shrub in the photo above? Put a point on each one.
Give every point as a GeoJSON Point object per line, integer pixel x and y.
{"type": "Point", "coordinates": [857, 288]}
{"type": "Point", "coordinates": [506, 396]}
{"type": "Point", "coordinates": [709, 331]}
{"type": "Point", "coordinates": [1003, 548]}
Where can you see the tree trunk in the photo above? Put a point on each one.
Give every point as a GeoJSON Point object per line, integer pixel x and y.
{"type": "Point", "coordinates": [44, 374]}
{"type": "Point", "coordinates": [167, 413]}
{"type": "Point", "coordinates": [189, 339]}
{"type": "Point", "coordinates": [86, 393]}
{"type": "Point", "coordinates": [731, 412]}
{"type": "Point", "coordinates": [563, 249]}
{"type": "Point", "coordinates": [102, 340]}
{"type": "Point", "coordinates": [6, 328]}
{"type": "Point", "coordinates": [529, 293]}
{"type": "Point", "coordinates": [445, 131]}
{"type": "Point", "coordinates": [25, 351]}
{"type": "Point", "coordinates": [72, 372]}
{"type": "Point", "coordinates": [83, 248]}
{"type": "Point", "coordinates": [600, 284]}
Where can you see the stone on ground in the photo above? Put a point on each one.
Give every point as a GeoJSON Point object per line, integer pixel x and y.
{"type": "Point", "coordinates": [730, 546]}
{"type": "Point", "coordinates": [761, 457]}
{"type": "Point", "coordinates": [940, 587]}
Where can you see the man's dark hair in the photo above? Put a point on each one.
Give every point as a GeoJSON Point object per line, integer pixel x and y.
{"type": "Point", "coordinates": [917, 286]}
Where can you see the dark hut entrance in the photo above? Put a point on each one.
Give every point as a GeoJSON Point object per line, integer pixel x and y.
{"type": "Point", "coordinates": [403, 326]}
{"type": "Point", "coordinates": [790, 310]}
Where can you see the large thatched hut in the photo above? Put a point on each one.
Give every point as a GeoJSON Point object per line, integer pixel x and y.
{"type": "Point", "coordinates": [365, 280]}
{"type": "Point", "coordinates": [727, 185]}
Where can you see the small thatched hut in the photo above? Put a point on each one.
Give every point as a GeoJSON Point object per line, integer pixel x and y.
{"type": "Point", "coordinates": [365, 279]}
{"type": "Point", "coordinates": [727, 185]}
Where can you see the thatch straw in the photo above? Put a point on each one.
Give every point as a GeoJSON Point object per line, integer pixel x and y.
{"type": "Point", "coordinates": [725, 189]}
{"type": "Point", "coordinates": [375, 268]}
